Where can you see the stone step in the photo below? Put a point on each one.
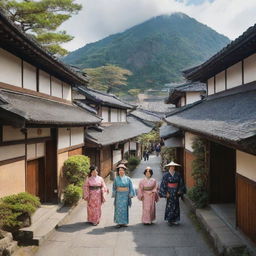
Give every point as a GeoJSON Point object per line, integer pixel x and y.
{"type": "Point", "coordinates": [225, 240]}
{"type": "Point", "coordinates": [44, 222]}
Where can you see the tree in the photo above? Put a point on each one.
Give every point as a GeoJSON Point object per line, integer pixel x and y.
{"type": "Point", "coordinates": [41, 18]}
{"type": "Point", "coordinates": [106, 78]}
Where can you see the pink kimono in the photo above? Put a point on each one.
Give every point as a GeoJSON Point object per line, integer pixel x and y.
{"type": "Point", "coordinates": [94, 193]}
{"type": "Point", "coordinates": [148, 194]}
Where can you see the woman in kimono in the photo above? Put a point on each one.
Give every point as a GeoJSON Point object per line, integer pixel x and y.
{"type": "Point", "coordinates": [94, 193]}
{"type": "Point", "coordinates": [122, 191]}
{"type": "Point", "coordinates": [172, 188]}
{"type": "Point", "coordinates": [148, 194]}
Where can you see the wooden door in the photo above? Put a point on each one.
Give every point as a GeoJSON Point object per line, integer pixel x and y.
{"type": "Point", "coordinates": [35, 178]}
{"type": "Point", "coordinates": [222, 174]}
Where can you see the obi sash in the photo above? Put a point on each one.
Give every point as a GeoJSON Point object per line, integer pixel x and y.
{"type": "Point", "coordinates": [172, 185]}
{"type": "Point", "coordinates": [94, 187]}
{"type": "Point", "coordinates": [148, 188]}
{"type": "Point", "coordinates": [122, 189]}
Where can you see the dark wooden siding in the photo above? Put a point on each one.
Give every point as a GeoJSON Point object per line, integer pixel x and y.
{"type": "Point", "coordinates": [222, 174]}
{"type": "Point", "coordinates": [246, 206]}
{"type": "Point", "coordinates": [189, 180]}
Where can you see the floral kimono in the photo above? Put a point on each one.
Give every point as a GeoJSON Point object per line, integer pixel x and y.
{"type": "Point", "coordinates": [123, 191]}
{"type": "Point", "coordinates": [148, 194]}
{"type": "Point", "coordinates": [173, 185]}
{"type": "Point", "coordinates": [94, 193]}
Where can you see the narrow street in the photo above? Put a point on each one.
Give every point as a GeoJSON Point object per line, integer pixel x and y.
{"type": "Point", "coordinates": [78, 238]}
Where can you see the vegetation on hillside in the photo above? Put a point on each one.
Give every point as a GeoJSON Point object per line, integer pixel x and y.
{"type": "Point", "coordinates": [107, 78]}
{"type": "Point", "coordinates": [155, 51]}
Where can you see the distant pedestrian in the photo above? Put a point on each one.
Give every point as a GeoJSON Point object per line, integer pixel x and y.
{"type": "Point", "coordinates": [94, 193]}
{"type": "Point", "coordinates": [148, 194]}
{"type": "Point", "coordinates": [123, 191]}
{"type": "Point", "coordinates": [158, 149]}
{"type": "Point", "coordinates": [172, 188]}
{"type": "Point", "coordinates": [147, 155]}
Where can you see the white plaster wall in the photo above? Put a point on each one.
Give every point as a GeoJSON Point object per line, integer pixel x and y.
{"type": "Point", "coordinates": [250, 69]}
{"type": "Point", "coordinates": [56, 87]}
{"type": "Point", "coordinates": [193, 97]}
{"type": "Point", "coordinates": [104, 114]}
{"type": "Point", "coordinates": [29, 76]}
{"type": "Point", "coordinates": [114, 115]}
{"type": "Point", "coordinates": [173, 142]}
{"type": "Point", "coordinates": [12, 151]}
{"type": "Point", "coordinates": [246, 165]}
{"type": "Point", "coordinates": [220, 81]}
{"type": "Point", "coordinates": [31, 151]}
{"type": "Point", "coordinates": [126, 147]}
{"type": "Point", "coordinates": [67, 93]}
{"type": "Point", "coordinates": [182, 101]}
{"type": "Point", "coordinates": [133, 145]}
{"type": "Point", "coordinates": [189, 137]}
{"type": "Point", "coordinates": [117, 156]}
{"type": "Point", "coordinates": [11, 133]}
{"type": "Point", "coordinates": [38, 132]}
{"type": "Point", "coordinates": [123, 116]}
{"type": "Point", "coordinates": [211, 86]}
{"type": "Point", "coordinates": [10, 68]}
{"type": "Point", "coordinates": [63, 138]}
{"type": "Point", "coordinates": [77, 136]}
{"type": "Point", "coordinates": [40, 149]}
{"type": "Point", "coordinates": [234, 75]}
{"type": "Point", "coordinates": [44, 82]}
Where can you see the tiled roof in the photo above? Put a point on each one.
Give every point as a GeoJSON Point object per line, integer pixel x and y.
{"type": "Point", "coordinates": [30, 110]}
{"type": "Point", "coordinates": [103, 98]}
{"type": "Point", "coordinates": [229, 116]}
{"type": "Point", "coordinates": [178, 91]}
{"type": "Point", "coordinates": [167, 131]}
{"type": "Point", "coordinates": [118, 132]}
{"type": "Point", "coordinates": [145, 115]}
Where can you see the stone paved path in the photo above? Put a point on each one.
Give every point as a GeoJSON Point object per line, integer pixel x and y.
{"type": "Point", "coordinates": [77, 238]}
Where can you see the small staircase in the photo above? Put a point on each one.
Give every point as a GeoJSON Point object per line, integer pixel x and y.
{"type": "Point", "coordinates": [44, 221]}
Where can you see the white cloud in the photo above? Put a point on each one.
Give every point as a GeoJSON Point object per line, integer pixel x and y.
{"type": "Point", "coordinates": [100, 18]}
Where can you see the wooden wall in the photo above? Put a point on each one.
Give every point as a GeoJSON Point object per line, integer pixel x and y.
{"type": "Point", "coordinates": [106, 161]}
{"type": "Point", "coordinates": [246, 206]}
{"type": "Point", "coordinates": [189, 157]}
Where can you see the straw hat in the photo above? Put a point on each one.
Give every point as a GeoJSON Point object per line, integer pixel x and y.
{"type": "Point", "coordinates": [172, 164]}
{"type": "Point", "coordinates": [121, 166]}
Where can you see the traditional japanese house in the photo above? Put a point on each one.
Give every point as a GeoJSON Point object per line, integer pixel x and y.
{"type": "Point", "coordinates": [39, 126]}
{"type": "Point", "coordinates": [227, 119]}
{"type": "Point", "coordinates": [181, 96]}
{"type": "Point", "coordinates": [107, 145]}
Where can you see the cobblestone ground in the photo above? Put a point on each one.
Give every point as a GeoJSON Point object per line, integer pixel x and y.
{"type": "Point", "coordinates": [78, 238]}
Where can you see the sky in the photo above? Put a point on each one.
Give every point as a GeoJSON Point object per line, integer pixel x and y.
{"type": "Point", "coordinates": [100, 18]}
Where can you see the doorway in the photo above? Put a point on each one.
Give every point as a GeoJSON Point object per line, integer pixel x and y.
{"type": "Point", "coordinates": [35, 178]}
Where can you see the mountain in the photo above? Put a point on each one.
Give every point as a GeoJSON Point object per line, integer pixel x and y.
{"type": "Point", "coordinates": [156, 51]}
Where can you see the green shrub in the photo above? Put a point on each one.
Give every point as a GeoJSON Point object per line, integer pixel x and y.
{"type": "Point", "coordinates": [72, 194]}
{"type": "Point", "coordinates": [15, 210]}
{"type": "Point", "coordinates": [199, 193]}
{"type": "Point", "coordinates": [199, 196]}
{"type": "Point", "coordinates": [133, 162]}
{"type": "Point", "coordinates": [22, 199]}
{"type": "Point", "coordinates": [76, 168]}
{"type": "Point", "coordinates": [167, 155]}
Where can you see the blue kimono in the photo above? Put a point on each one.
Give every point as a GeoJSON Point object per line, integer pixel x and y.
{"type": "Point", "coordinates": [122, 199]}
{"type": "Point", "coordinates": [175, 187]}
